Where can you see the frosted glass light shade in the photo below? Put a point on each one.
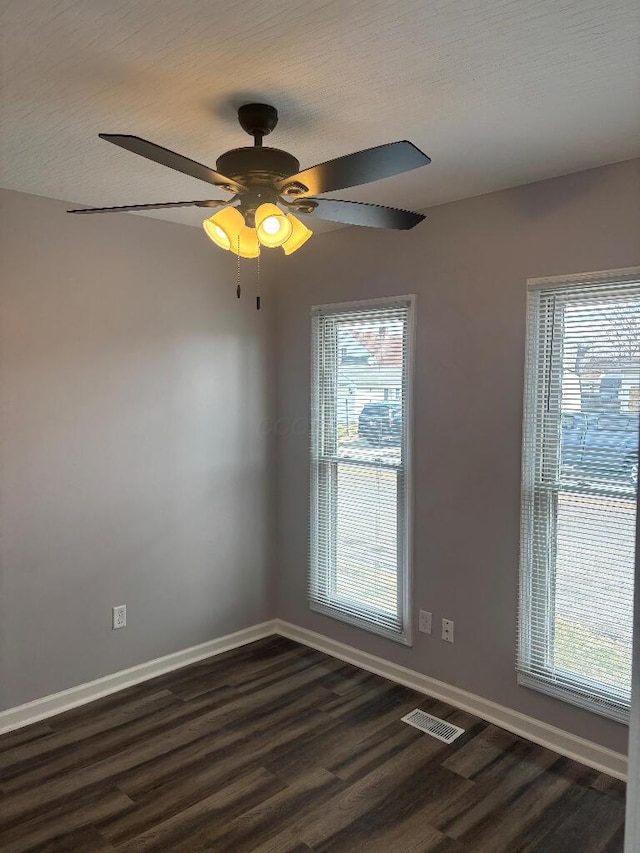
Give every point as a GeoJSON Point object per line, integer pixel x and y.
{"type": "Point", "coordinates": [224, 227]}
{"type": "Point", "coordinates": [299, 235]}
{"type": "Point", "coordinates": [272, 225]}
{"type": "Point", "coordinates": [248, 246]}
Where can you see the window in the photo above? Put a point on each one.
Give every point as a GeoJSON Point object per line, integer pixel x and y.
{"type": "Point", "coordinates": [359, 464]}
{"type": "Point", "coordinates": [580, 478]}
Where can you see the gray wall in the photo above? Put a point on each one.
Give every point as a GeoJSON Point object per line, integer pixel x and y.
{"type": "Point", "coordinates": [468, 264]}
{"type": "Point", "coordinates": [133, 466]}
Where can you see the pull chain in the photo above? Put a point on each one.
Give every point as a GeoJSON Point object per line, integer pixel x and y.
{"type": "Point", "coordinates": [258, 284]}
{"type": "Point", "coordinates": [238, 271]}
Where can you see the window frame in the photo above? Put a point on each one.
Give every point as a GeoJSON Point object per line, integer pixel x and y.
{"type": "Point", "coordinates": [537, 360]}
{"type": "Point", "coordinates": [405, 507]}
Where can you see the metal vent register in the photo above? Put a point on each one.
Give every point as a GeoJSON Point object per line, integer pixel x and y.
{"type": "Point", "coordinates": [433, 726]}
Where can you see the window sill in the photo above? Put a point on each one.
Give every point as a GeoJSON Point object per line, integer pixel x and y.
{"type": "Point", "coordinates": [335, 613]}
{"type": "Point", "coordinates": [580, 700]}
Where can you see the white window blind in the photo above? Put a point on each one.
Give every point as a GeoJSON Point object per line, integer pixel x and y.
{"type": "Point", "coordinates": [580, 477]}
{"type": "Point", "coordinates": [359, 464]}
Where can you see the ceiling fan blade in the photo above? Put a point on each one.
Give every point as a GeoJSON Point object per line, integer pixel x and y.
{"type": "Point", "coordinates": [170, 159]}
{"type": "Point", "coordinates": [359, 213]}
{"type": "Point", "coordinates": [128, 207]}
{"type": "Point", "coordinates": [358, 168]}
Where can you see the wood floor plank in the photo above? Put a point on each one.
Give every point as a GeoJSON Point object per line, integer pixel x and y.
{"type": "Point", "coordinates": [283, 842]}
{"type": "Point", "coordinates": [78, 814]}
{"type": "Point", "coordinates": [495, 787]}
{"type": "Point", "coordinates": [589, 828]}
{"type": "Point", "coordinates": [26, 735]}
{"type": "Point", "coordinates": [186, 784]}
{"type": "Point", "coordinates": [348, 678]}
{"type": "Point", "coordinates": [616, 842]}
{"type": "Point", "coordinates": [87, 751]}
{"type": "Point", "coordinates": [245, 678]}
{"type": "Point", "coordinates": [191, 828]}
{"type": "Point", "coordinates": [86, 840]}
{"type": "Point", "coordinates": [263, 821]}
{"type": "Point", "coordinates": [60, 743]}
{"type": "Point", "coordinates": [353, 743]}
{"type": "Point", "coordinates": [23, 802]}
{"type": "Point", "coordinates": [415, 798]}
{"type": "Point", "coordinates": [171, 799]}
{"type": "Point", "coordinates": [613, 787]}
{"type": "Point", "coordinates": [366, 793]}
{"type": "Point", "coordinates": [277, 728]}
{"type": "Point", "coordinates": [480, 752]}
{"type": "Point", "coordinates": [278, 748]}
{"type": "Point", "coordinates": [364, 754]}
{"type": "Point", "coordinates": [531, 804]}
{"type": "Point", "coordinates": [534, 832]}
{"type": "Point", "coordinates": [336, 745]}
{"type": "Point", "coordinates": [408, 835]}
{"type": "Point", "coordinates": [104, 707]}
{"type": "Point", "coordinates": [209, 716]}
{"type": "Point", "coordinates": [268, 675]}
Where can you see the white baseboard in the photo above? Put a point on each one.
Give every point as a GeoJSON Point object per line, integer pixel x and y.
{"type": "Point", "coordinates": [56, 703]}
{"type": "Point", "coordinates": [563, 742]}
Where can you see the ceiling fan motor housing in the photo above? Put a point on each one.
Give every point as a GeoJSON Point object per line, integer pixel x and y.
{"type": "Point", "coordinates": [257, 165]}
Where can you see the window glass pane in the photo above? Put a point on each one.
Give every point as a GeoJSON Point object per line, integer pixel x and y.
{"type": "Point", "coordinates": [579, 496]}
{"type": "Point", "coordinates": [369, 388]}
{"type": "Point", "coordinates": [594, 589]}
{"type": "Point", "coordinates": [359, 568]}
{"type": "Point", "coordinates": [366, 538]}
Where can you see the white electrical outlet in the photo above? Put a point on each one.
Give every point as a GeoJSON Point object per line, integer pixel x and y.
{"type": "Point", "coordinates": [424, 622]}
{"type": "Point", "coordinates": [447, 630]}
{"type": "Point", "coordinates": [119, 616]}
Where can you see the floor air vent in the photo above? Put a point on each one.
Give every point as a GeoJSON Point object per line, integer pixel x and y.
{"type": "Point", "coordinates": [434, 726]}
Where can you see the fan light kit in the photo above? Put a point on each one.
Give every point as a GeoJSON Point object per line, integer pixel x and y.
{"type": "Point", "coordinates": [270, 195]}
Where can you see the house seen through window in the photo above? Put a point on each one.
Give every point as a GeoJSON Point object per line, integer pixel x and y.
{"type": "Point", "coordinates": [360, 519]}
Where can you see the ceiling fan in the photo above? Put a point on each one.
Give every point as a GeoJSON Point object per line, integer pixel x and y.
{"type": "Point", "coordinates": [269, 191]}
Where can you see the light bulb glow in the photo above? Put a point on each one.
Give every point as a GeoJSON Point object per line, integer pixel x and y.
{"type": "Point", "coordinates": [224, 227]}
{"type": "Point", "coordinates": [272, 225]}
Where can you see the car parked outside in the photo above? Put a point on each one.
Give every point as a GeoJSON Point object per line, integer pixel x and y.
{"type": "Point", "coordinates": [600, 445]}
{"type": "Point", "coordinates": [381, 423]}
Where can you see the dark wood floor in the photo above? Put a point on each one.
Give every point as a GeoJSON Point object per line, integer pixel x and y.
{"type": "Point", "coordinates": [275, 748]}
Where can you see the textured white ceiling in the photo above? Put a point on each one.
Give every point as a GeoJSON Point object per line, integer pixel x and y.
{"type": "Point", "coordinates": [497, 92]}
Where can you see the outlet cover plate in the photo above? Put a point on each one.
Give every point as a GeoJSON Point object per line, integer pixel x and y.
{"type": "Point", "coordinates": [424, 622]}
{"type": "Point", "coordinates": [119, 616]}
{"type": "Point", "coordinates": [447, 630]}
